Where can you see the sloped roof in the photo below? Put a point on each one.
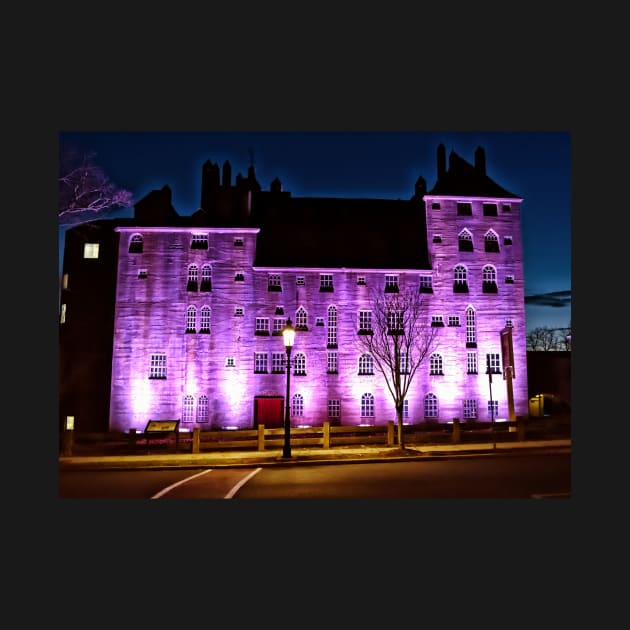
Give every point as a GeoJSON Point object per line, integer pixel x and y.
{"type": "Point", "coordinates": [462, 179]}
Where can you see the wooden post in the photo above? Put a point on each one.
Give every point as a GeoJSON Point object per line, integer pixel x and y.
{"type": "Point", "coordinates": [68, 441]}
{"type": "Point", "coordinates": [196, 440]}
{"type": "Point", "coordinates": [261, 437]}
{"type": "Point", "coordinates": [390, 433]}
{"type": "Point", "coordinates": [456, 435]}
{"type": "Point", "coordinates": [326, 436]}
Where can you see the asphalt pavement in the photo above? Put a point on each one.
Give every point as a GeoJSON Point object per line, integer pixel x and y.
{"type": "Point", "coordinates": [167, 457]}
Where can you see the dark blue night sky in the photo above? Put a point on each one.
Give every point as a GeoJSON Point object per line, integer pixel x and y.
{"type": "Point", "coordinates": [534, 166]}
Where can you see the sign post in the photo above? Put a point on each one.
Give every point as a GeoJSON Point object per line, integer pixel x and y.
{"type": "Point", "coordinates": [507, 352]}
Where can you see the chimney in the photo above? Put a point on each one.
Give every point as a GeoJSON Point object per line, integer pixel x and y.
{"type": "Point", "coordinates": [480, 161]}
{"type": "Point", "coordinates": [441, 161]}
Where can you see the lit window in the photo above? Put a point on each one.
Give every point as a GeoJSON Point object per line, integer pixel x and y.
{"type": "Point", "coordinates": [90, 250]}
{"type": "Point", "coordinates": [405, 409]}
{"type": "Point", "coordinates": [64, 281]}
{"type": "Point", "coordinates": [62, 319]}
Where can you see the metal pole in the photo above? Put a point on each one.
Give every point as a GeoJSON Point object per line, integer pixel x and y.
{"type": "Point", "coordinates": [286, 449]}
{"type": "Point", "coordinates": [489, 369]}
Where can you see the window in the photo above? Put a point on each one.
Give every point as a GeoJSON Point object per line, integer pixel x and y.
{"type": "Point", "coordinates": [238, 242]}
{"type": "Point", "coordinates": [365, 322]}
{"type": "Point", "coordinates": [191, 319]}
{"type": "Point", "coordinates": [437, 321]}
{"type": "Point", "coordinates": [493, 408]}
{"type": "Point", "coordinates": [62, 319]}
{"type": "Point", "coordinates": [262, 326]}
{"type": "Point", "coordinates": [142, 274]}
{"type": "Point", "coordinates": [435, 205]}
{"type": "Point", "coordinates": [319, 321]}
{"type": "Point", "coordinates": [297, 405]}
{"type": "Point", "coordinates": [157, 367]}
{"type": "Point", "coordinates": [239, 311]}
{"type": "Point", "coordinates": [279, 310]}
{"type": "Point", "coordinates": [464, 209]}
{"type": "Point", "coordinates": [278, 324]}
{"type": "Point", "coordinates": [299, 364]}
{"type": "Point", "coordinates": [465, 241]}
{"type": "Point", "coordinates": [395, 323]}
{"type": "Point", "coordinates": [489, 277]}
{"type": "Point", "coordinates": [426, 284]}
{"type": "Point", "coordinates": [405, 409]}
{"type": "Point", "coordinates": [90, 250]}
{"type": "Point", "coordinates": [361, 280]}
{"type": "Point", "coordinates": [471, 328]}
{"type": "Point", "coordinates": [435, 365]}
{"type": "Point", "coordinates": [277, 362]}
{"type": "Point", "coordinates": [404, 362]}
{"type": "Point", "coordinates": [430, 406]}
{"type": "Point", "coordinates": [202, 409]}
{"type": "Point", "coordinates": [239, 277]}
{"type": "Point", "coordinates": [334, 408]}
{"type": "Point", "coordinates": [489, 209]}
{"type": "Point", "coordinates": [453, 320]}
{"type": "Point", "coordinates": [460, 279]}
{"type": "Point", "coordinates": [326, 282]}
{"type": "Point", "coordinates": [193, 278]}
{"type": "Point", "coordinates": [135, 244]}
{"type": "Point", "coordinates": [437, 238]}
{"type": "Point", "coordinates": [273, 282]}
{"type": "Point", "coordinates": [391, 284]}
{"type": "Point", "coordinates": [506, 207]}
{"type": "Point", "coordinates": [471, 363]}
{"type": "Point", "coordinates": [206, 278]}
{"type": "Point", "coordinates": [299, 281]}
{"type": "Point", "coordinates": [260, 362]}
{"type": "Point", "coordinates": [491, 242]}
{"type": "Point", "coordinates": [230, 362]}
{"type": "Point", "coordinates": [332, 327]}
{"type": "Point", "coordinates": [331, 363]}
{"type": "Point", "coordinates": [366, 364]}
{"type": "Point", "coordinates": [507, 240]}
{"type": "Point", "coordinates": [509, 323]}
{"type": "Point", "coordinates": [204, 327]}
{"type": "Point", "coordinates": [301, 319]}
{"type": "Point", "coordinates": [493, 365]}
{"type": "Point", "coordinates": [188, 412]}
{"type": "Point", "coordinates": [199, 241]}
{"type": "Point", "coordinates": [64, 281]}
{"type": "Point", "coordinates": [470, 409]}
{"type": "Point", "coordinates": [509, 279]}
{"type": "Point", "coordinates": [367, 406]}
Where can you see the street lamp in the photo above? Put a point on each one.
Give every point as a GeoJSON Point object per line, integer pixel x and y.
{"type": "Point", "coordinates": [288, 336]}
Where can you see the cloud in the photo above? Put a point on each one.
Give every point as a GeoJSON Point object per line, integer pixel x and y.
{"type": "Point", "coordinates": [555, 299]}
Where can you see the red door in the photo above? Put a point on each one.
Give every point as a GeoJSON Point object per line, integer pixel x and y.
{"type": "Point", "coordinates": [268, 411]}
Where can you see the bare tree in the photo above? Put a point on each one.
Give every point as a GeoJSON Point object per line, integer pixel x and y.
{"type": "Point", "coordinates": [85, 191]}
{"type": "Point", "coordinates": [546, 339]}
{"type": "Point", "coordinates": [400, 339]}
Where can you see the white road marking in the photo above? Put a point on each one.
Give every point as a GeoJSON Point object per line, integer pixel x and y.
{"type": "Point", "coordinates": [234, 490]}
{"type": "Point", "coordinates": [161, 493]}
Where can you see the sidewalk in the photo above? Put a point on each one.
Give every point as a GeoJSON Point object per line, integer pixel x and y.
{"type": "Point", "coordinates": [314, 455]}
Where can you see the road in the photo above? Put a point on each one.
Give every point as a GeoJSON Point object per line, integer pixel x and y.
{"type": "Point", "coordinates": [496, 477]}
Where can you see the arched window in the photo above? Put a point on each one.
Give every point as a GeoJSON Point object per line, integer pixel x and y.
{"type": "Point", "coordinates": [135, 244]}
{"type": "Point", "coordinates": [332, 326]}
{"type": "Point", "coordinates": [202, 409]}
{"type": "Point", "coordinates": [465, 241]}
{"type": "Point", "coordinates": [435, 364]}
{"type": "Point", "coordinates": [188, 414]}
{"type": "Point", "coordinates": [205, 320]}
{"type": "Point", "coordinates": [191, 319]}
{"type": "Point", "coordinates": [366, 364]}
{"type": "Point", "coordinates": [193, 278]}
{"type": "Point", "coordinates": [206, 278]}
{"type": "Point", "coordinates": [299, 364]}
{"type": "Point", "coordinates": [491, 241]}
{"type": "Point", "coordinates": [300, 319]}
{"type": "Point", "coordinates": [367, 406]}
{"type": "Point", "coordinates": [489, 278]}
{"type": "Point", "coordinates": [297, 405]}
{"type": "Point", "coordinates": [471, 328]}
{"type": "Point", "coordinates": [430, 406]}
{"type": "Point", "coordinates": [460, 279]}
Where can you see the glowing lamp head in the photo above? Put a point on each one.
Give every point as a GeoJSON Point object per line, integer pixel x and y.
{"type": "Point", "coordinates": [288, 335]}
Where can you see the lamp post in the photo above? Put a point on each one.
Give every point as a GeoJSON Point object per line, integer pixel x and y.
{"type": "Point", "coordinates": [288, 336]}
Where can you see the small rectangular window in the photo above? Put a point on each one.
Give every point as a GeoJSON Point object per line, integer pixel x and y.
{"type": "Point", "coordinates": [453, 320]}
{"type": "Point", "coordinates": [426, 284]}
{"type": "Point", "coordinates": [437, 238]}
{"type": "Point", "coordinates": [90, 250]}
{"type": "Point", "coordinates": [489, 209]}
{"type": "Point", "coordinates": [239, 277]}
{"type": "Point", "coordinates": [464, 209]}
{"type": "Point", "coordinates": [239, 311]}
{"type": "Point", "coordinates": [319, 321]}
{"type": "Point", "coordinates": [299, 281]}
{"type": "Point", "coordinates": [157, 368]}
{"type": "Point", "coordinates": [238, 242]}
{"type": "Point", "coordinates": [436, 320]}
{"type": "Point", "coordinates": [507, 240]}
{"type": "Point", "coordinates": [509, 279]}
{"type": "Point", "coordinates": [334, 408]}
{"type": "Point", "coordinates": [361, 280]}
{"type": "Point", "coordinates": [199, 241]}
{"type": "Point", "coordinates": [142, 274]}
{"type": "Point", "coordinates": [326, 282]}
{"type": "Point", "coordinates": [506, 207]}
{"type": "Point", "coordinates": [230, 362]}
{"type": "Point", "coordinates": [435, 205]}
